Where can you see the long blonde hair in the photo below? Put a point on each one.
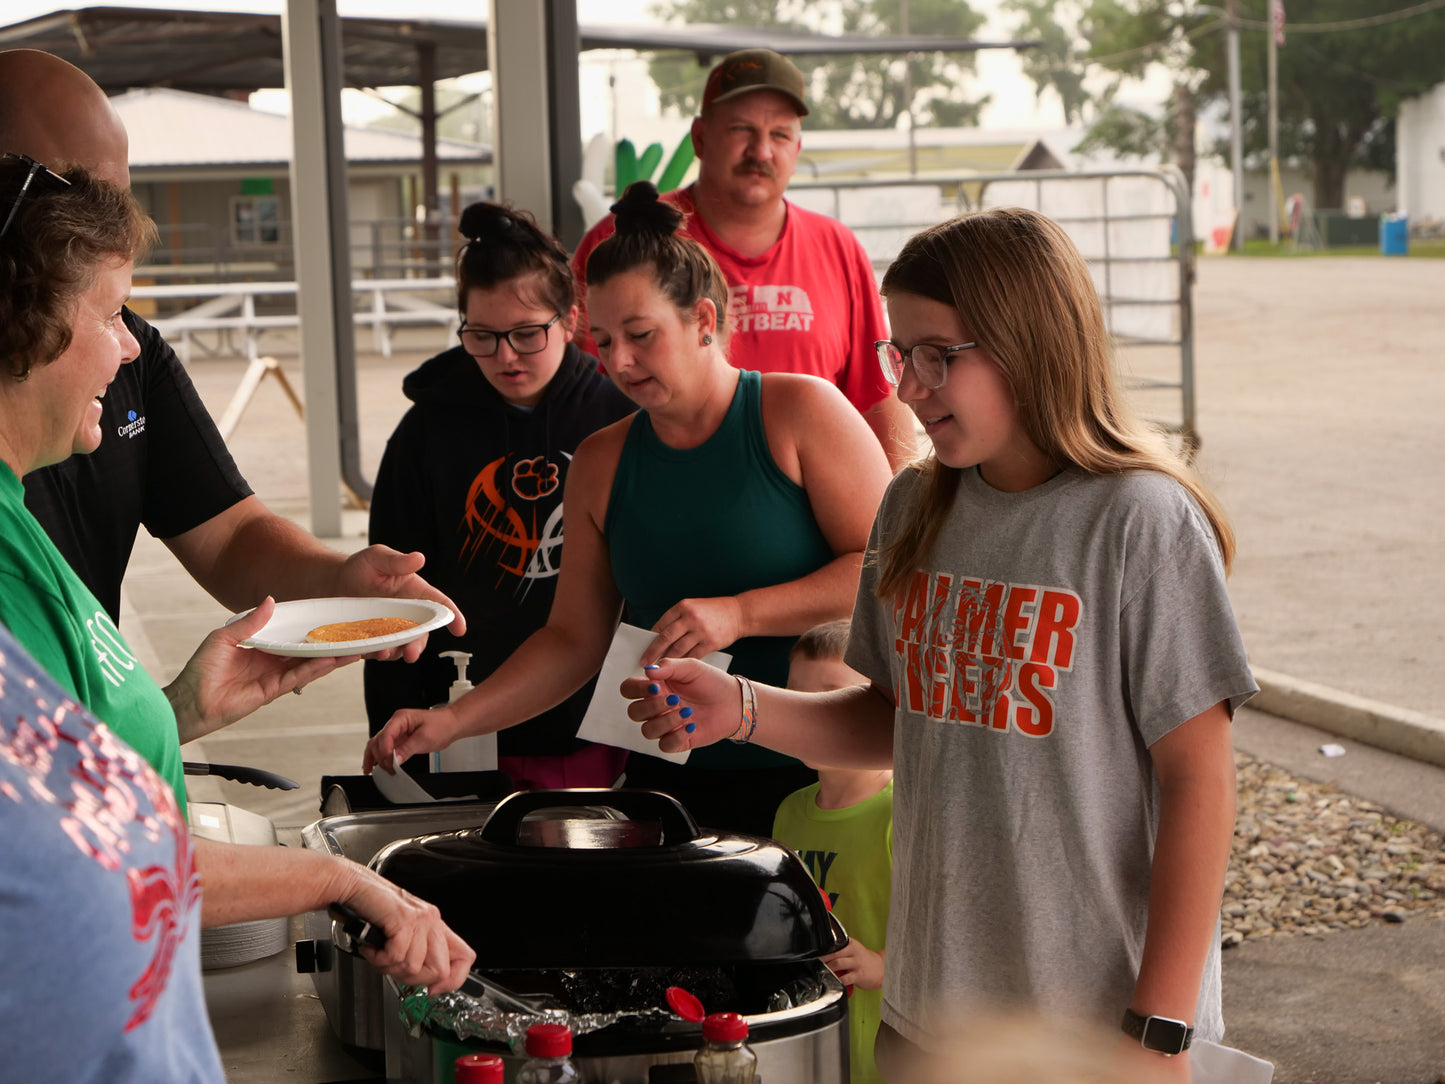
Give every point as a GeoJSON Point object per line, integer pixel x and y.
{"type": "Point", "coordinates": [1026, 295]}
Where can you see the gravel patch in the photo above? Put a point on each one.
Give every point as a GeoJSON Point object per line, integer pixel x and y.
{"type": "Point", "coordinates": [1308, 858]}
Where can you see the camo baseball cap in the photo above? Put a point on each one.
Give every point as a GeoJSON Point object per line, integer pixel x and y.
{"type": "Point", "coordinates": [747, 70]}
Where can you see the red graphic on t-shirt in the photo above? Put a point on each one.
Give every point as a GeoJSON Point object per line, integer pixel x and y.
{"type": "Point", "coordinates": [99, 797]}
{"type": "Point", "coordinates": [159, 903]}
{"type": "Point", "coordinates": [984, 652]}
{"type": "Point", "coordinates": [769, 308]}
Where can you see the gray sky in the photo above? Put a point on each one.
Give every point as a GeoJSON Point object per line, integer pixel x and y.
{"type": "Point", "coordinates": [998, 70]}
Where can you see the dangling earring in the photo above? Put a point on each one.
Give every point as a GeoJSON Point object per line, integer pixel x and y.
{"type": "Point", "coordinates": [707, 340]}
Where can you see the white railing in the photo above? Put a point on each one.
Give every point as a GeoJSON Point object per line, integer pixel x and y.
{"type": "Point", "coordinates": [225, 310]}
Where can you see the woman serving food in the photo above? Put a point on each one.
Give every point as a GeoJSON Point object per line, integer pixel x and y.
{"type": "Point", "coordinates": [729, 513]}
{"type": "Point", "coordinates": [67, 246]}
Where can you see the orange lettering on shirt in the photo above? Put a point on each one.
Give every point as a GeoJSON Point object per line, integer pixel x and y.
{"type": "Point", "coordinates": [1036, 718]}
{"type": "Point", "coordinates": [1055, 619]}
{"type": "Point", "coordinates": [1017, 617]}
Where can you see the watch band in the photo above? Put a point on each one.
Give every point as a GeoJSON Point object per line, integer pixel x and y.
{"type": "Point", "coordinates": [1160, 1034]}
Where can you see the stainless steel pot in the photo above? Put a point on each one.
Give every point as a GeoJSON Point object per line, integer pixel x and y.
{"type": "Point", "coordinates": [566, 887]}
{"type": "Point", "coordinates": [348, 987]}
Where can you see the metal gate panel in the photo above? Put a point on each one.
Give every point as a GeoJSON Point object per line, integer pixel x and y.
{"type": "Point", "coordinates": [1133, 227]}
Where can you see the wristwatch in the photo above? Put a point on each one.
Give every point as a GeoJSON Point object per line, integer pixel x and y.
{"type": "Point", "coordinates": [1158, 1033]}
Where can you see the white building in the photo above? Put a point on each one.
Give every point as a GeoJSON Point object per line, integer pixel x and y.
{"type": "Point", "coordinates": [1420, 156]}
{"type": "Point", "coordinates": [215, 175]}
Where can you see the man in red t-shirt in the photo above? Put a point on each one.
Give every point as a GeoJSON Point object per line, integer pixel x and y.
{"type": "Point", "coordinates": [802, 297]}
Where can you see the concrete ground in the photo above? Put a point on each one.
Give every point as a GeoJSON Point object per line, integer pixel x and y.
{"type": "Point", "coordinates": [1320, 384]}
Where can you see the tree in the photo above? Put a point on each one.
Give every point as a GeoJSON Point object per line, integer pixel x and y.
{"type": "Point", "coordinates": [862, 91]}
{"type": "Point", "coordinates": [1057, 63]}
{"type": "Point", "coordinates": [1345, 69]}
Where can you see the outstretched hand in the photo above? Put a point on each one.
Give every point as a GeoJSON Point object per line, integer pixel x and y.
{"type": "Point", "coordinates": [382, 572]}
{"type": "Point", "coordinates": [224, 682]}
{"type": "Point", "coordinates": [684, 703]}
{"type": "Point", "coordinates": [408, 732]}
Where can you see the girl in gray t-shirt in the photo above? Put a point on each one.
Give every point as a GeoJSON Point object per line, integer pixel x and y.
{"type": "Point", "coordinates": [1053, 661]}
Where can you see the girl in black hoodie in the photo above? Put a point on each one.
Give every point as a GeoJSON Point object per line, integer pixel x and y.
{"type": "Point", "coordinates": [473, 477]}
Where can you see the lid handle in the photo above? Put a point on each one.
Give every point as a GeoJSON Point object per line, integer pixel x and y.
{"type": "Point", "coordinates": [505, 824]}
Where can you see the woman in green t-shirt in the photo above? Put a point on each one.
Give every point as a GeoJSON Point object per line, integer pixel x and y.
{"type": "Point", "coordinates": [67, 246]}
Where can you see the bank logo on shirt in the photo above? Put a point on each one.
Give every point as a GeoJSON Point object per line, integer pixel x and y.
{"type": "Point", "coordinates": [769, 308]}
{"type": "Point", "coordinates": [115, 659]}
{"type": "Point", "coordinates": [504, 521]}
{"type": "Point", "coordinates": [135, 425]}
{"type": "Point", "coordinates": [984, 652]}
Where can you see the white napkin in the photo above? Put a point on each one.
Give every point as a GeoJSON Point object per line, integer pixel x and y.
{"type": "Point", "coordinates": [1210, 1063]}
{"type": "Point", "coordinates": [400, 788]}
{"type": "Point", "coordinates": [606, 720]}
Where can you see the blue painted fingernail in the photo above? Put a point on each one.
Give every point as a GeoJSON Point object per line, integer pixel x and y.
{"type": "Point", "coordinates": [672, 700]}
{"type": "Point", "coordinates": [653, 690]}
{"type": "Point", "coordinates": [690, 727]}
{"type": "Point", "coordinates": [652, 666]}
{"type": "Point", "coordinates": [685, 713]}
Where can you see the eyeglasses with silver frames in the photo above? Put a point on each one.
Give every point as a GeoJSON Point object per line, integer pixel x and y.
{"type": "Point", "coordinates": [930, 362]}
{"type": "Point", "coordinates": [526, 339]}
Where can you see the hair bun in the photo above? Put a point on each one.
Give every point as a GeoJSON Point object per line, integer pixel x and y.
{"type": "Point", "coordinates": [641, 211]}
{"type": "Point", "coordinates": [484, 221]}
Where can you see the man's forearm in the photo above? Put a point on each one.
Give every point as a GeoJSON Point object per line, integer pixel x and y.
{"type": "Point", "coordinates": [248, 552]}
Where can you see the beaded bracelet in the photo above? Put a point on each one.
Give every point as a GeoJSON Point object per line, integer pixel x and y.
{"type": "Point", "coordinates": [749, 722]}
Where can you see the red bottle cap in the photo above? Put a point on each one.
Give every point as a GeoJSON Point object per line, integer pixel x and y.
{"type": "Point", "coordinates": [549, 1040]}
{"type": "Point", "coordinates": [724, 1027]}
{"type": "Point", "coordinates": [685, 1004]}
{"type": "Point", "coordinates": [479, 1069]}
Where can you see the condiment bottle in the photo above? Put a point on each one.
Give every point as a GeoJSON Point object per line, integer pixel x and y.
{"type": "Point", "coordinates": [549, 1056]}
{"type": "Point", "coordinates": [479, 1069]}
{"type": "Point", "coordinates": [725, 1057]}
{"type": "Point", "coordinates": [477, 753]}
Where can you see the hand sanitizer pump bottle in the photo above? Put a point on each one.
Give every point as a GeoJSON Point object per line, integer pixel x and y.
{"type": "Point", "coordinates": [477, 753]}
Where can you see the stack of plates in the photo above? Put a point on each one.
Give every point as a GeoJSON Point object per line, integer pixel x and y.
{"type": "Point", "coordinates": [241, 942]}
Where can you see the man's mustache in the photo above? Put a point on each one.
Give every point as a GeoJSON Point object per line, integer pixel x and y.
{"type": "Point", "coordinates": [753, 165]}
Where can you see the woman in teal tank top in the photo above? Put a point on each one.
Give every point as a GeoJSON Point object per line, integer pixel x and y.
{"type": "Point", "coordinates": [730, 513]}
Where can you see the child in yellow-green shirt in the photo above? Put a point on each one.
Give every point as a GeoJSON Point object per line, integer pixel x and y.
{"type": "Point", "coordinates": [842, 828]}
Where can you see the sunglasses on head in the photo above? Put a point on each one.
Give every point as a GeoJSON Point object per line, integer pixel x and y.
{"type": "Point", "coordinates": [35, 174]}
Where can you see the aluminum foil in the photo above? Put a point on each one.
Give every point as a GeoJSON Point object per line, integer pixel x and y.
{"type": "Point", "coordinates": [472, 1016]}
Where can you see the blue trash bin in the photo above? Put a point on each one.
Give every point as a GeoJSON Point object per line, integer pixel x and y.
{"type": "Point", "coordinates": [1394, 235]}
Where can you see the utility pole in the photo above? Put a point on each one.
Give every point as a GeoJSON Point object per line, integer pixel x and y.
{"type": "Point", "coordinates": [1236, 122]}
{"type": "Point", "coordinates": [1274, 34]}
{"type": "Point", "coordinates": [908, 89]}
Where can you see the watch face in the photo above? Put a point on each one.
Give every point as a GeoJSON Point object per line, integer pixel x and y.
{"type": "Point", "coordinates": [1165, 1036]}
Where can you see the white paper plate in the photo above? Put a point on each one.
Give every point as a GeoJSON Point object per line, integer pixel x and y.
{"type": "Point", "coordinates": [285, 633]}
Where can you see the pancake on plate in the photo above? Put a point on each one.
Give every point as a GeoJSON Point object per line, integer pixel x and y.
{"type": "Point", "coordinates": [366, 629]}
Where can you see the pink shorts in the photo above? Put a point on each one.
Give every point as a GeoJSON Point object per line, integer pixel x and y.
{"type": "Point", "coordinates": [594, 766]}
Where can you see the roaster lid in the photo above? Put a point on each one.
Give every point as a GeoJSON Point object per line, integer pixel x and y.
{"type": "Point", "coordinates": [547, 882]}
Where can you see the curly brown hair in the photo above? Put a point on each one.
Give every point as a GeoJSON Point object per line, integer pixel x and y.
{"type": "Point", "coordinates": [58, 240]}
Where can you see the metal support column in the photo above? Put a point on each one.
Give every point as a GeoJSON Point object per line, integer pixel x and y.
{"type": "Point", "coordinates": [517, 52]}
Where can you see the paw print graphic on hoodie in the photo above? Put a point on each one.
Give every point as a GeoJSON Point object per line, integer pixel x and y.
{"type": "Point", "coordinates": [533, 479]}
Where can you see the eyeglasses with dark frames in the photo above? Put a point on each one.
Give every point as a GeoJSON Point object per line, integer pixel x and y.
{"type": "Point", "coordinates": [36, 171]}
{"type": "Point", "coordinates": [930, 362]}
{"type": "Point", "coordinates": [526, 339]}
